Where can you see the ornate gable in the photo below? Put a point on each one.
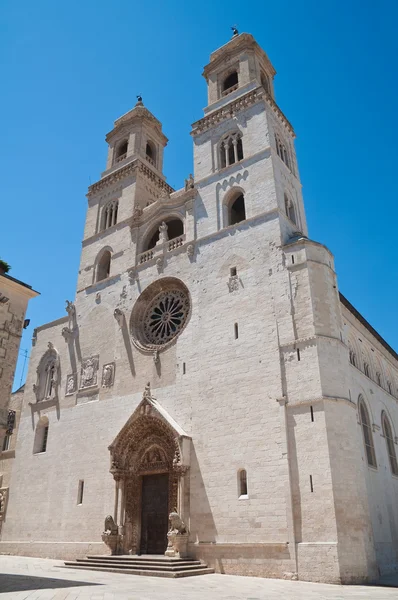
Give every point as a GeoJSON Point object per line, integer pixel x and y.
{"type": "Point", "coordinates": [150, 441]}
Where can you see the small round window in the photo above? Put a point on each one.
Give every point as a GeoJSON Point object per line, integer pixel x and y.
{"type": "Point", "coordinates": [160, 313]}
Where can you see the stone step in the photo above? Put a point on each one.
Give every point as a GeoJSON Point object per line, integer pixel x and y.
{"type": "Point", "coordinates": [146, 559]}
{"type": "Point", "coordinates": [203, 570]}
{"type": "Point", "coordinates": [136, 565]}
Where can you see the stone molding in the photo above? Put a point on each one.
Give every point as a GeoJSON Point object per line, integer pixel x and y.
{"type": "Point", "coordinates": [229, 111]}
{"type": "Point", "coordinates": [126, 171]}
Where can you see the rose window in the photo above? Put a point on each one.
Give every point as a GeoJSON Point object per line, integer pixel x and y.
{"type": "Point", "coordinates": [160, 314]}
{"type": "Point", "coordinates": [165, 316]}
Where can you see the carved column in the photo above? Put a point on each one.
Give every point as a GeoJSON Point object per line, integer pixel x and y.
{"type": "Point", "coordinates": [235, 143]}
{"type": "Point", "coordinates": [116, 500]}
{"type": "Point", "coordinates": [122, 504]}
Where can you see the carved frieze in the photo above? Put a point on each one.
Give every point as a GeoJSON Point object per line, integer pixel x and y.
{"type": "Point", "coordinates": [71, 384]}
{"type": "Point", "coordinates": [89, 372]}
{"type": "Point", "coordinates": [108, 375]}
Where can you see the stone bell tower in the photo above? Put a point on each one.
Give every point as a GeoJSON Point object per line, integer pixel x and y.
{"type": "Point", "coordinates": [132, 181]}
{"type": "Point", "coordinates": [242, 129]}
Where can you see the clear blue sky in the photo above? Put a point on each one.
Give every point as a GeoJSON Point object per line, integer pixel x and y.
{"type": "Point", "coordinates": [69, 69]}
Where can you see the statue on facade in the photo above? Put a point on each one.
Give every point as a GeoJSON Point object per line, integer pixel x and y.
{"type": "Point", "coordinates": [147, 392]}
{"type": "Point", "coordinates": [189, 183]}
{"type": "Point", "coordinates": [70, 308]}
{"type": "Point", "coordinates": [110, 535]}
{"type": "Point", "coordinates": [163, 237]}
{"type": "Point", "coordinates": [177, 537]}
{"type": "Point", "coordinates": [235, 31]}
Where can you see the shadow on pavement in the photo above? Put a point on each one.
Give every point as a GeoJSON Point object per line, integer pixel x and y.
{"type": "Point", "coordinates": [19, 583]}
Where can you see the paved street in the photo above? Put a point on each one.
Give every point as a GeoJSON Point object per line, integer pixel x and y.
{"type": "Point", "coordinates": [38, 579]}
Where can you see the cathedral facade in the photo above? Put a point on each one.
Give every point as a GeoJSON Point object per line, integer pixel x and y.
{"type": "Point", "coordinates": [209, 366]}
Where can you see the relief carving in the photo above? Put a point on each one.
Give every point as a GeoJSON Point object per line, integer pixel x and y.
{"type": "Point", "coordinates": [71, 384]}
{"type": "Point", "coordinates": [108, 375]}
{"type": "Point", "coordinates": [89, 372]}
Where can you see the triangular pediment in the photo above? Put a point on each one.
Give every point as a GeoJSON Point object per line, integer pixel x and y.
{"type": "Point", "coordinates": [150, 427]}
{"type": "Point", "coordinates": [149, 407]}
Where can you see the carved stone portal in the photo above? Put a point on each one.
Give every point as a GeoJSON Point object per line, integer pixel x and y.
{"type": "Point", "coordinates": [150, 443]}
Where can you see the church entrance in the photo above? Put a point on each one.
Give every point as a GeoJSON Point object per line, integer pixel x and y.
{"type": "Point", "coordinates": [154, 513]}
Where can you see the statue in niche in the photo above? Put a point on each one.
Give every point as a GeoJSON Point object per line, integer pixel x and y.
{"type": "Point", "coordinates": [163, 237]}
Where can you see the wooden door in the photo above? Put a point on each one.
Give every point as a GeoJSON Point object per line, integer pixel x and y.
{"type": "Point", "coordinates": [154, 513]}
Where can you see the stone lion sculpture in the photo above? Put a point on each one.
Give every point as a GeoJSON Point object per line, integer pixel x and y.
{"type": "Point", "coordinates": [177, 524]}
{"type": "Point", "coordinates": [177, 537]}
{"type": "Point", "coordinates": [110, 526]}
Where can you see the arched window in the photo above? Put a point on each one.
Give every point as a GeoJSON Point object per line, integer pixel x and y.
{"type": "Point", "coordinates": [282, 150]}
{"type": "Point", "coordinates": [265, 82]}
{"type": "Point", "coordinates": [237, 210]}
{"type": "Point", "coordinates": [109, 214]}
{"type": "Point", "coordinates": [367, 432]}
{"type": "Point", "coordinates": [104, 266]}
{"type": "Point", "coordinates": [387, 431]}
{"type": "Point", "coordinates": [121, 151]}
{"type": "Point", "coordinates": [353, 358]}
{"type": "Point", "coordinates": [230, 83]}
{"type": "Point", "coordinates": [231, 149]}
{"type": "Point", "coordinates": [366, 369]}
{"type": "Point", "coordinates": [46, 386]}
{"type": "Point", "coordinates": [242, 483]}
{"type": "Point", "coordinates": [174, 229]}
{"type": "Point", "coordinates": [150, 153]}
{"type": "Point", "coordinates": [41, 436]}
{"type": "Point", "coordinates": [289, 208]}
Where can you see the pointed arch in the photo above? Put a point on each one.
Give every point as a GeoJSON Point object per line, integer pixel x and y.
{"type": "Point", "coordinates": [150, 443]}
{"type": "Point", "coordinates": [46, 386]}
{"type": "Point", "coordinates": [389, 437]}
{"type": "Point", "coordinates": [366, 426]}
{"type": "Point", "coordinates": [290, 209]}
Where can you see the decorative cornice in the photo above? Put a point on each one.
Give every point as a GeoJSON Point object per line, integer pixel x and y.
{"type": "Point", "coordinates": [127, 171]}
{"type": "Point", "coordinates": [158, 181]}
{"type": "Point", "coordinates": [231, 109]}
{"type": "Point", "coordinates": [112, 178]}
